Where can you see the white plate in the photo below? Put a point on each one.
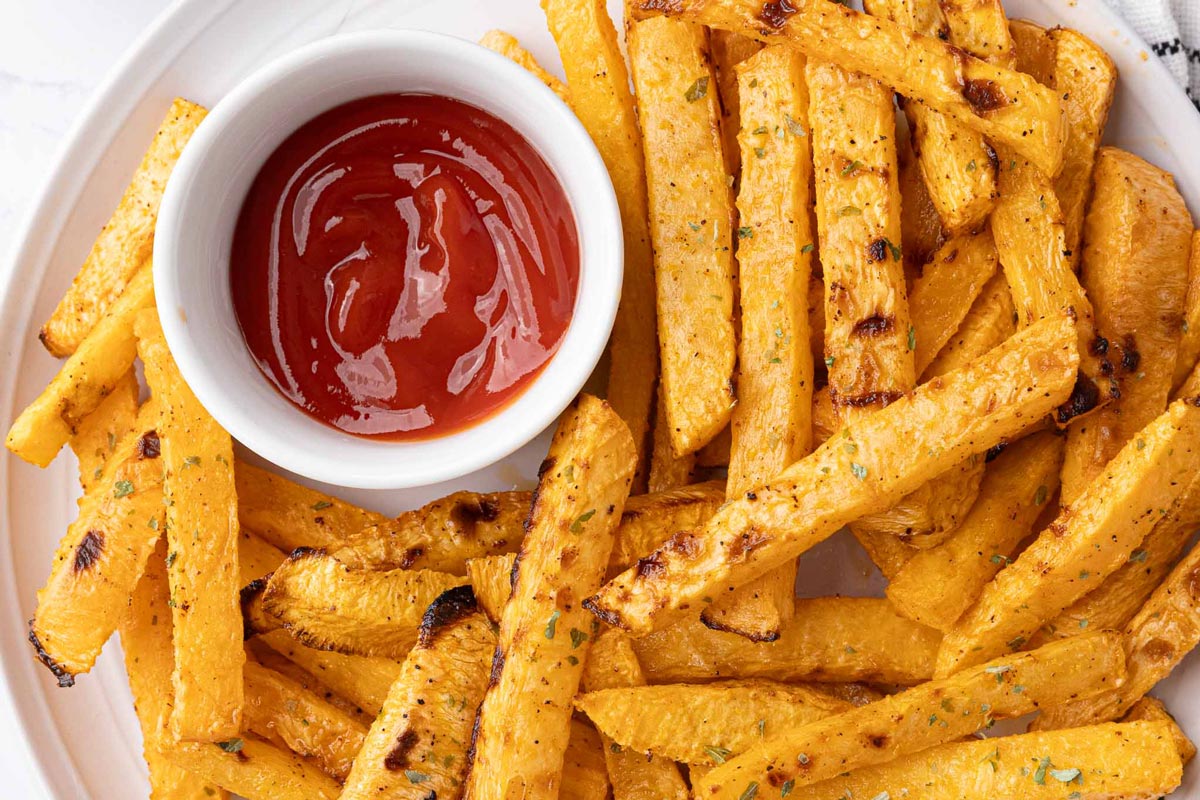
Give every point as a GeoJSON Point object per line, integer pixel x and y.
{"type": "Point", "coordinates": [84, 742]}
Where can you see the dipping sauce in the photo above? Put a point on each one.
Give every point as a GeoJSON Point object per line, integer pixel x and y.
{"type": "Point", "coordinates": [404, 265]}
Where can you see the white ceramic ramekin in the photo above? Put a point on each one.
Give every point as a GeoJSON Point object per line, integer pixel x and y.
{"type": "Point", "coordinates": [205, 193]}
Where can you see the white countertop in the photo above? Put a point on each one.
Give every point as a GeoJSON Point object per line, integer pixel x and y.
{"type": "Point", "coordinates": [52, 55]}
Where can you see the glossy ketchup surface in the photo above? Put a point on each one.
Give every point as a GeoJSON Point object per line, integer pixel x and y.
{"type": "Point", "coordinates": [404, 265]}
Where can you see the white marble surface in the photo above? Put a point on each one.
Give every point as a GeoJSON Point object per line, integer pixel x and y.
{"type": "Point", "coordinates": [52, 55]}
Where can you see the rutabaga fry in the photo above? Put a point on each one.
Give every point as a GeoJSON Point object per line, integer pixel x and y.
{"type": "Point", "coordinates": [1033, 51]}
{"type": "Point", "coordinates": [950, 282]}
{"type": "Point", "coordinates": [289, 515]}
{"type": "Point", "coordinates": [1005, 106]}
{"type": "Point", "coordinates": [491, 579]}
{"type": "Point", "coordinates": [728, 51]}
{"type": "Point", "coordinates": [958, 166]}
{"type": "Point", "coordinates": [447, 533]}
{"type": "Point", "coordinates": [1086, 79]}
{"type": "Point", "coordinates": [649, 519]}
{"type": "Point", "coordinates": [667, 470]}
{"type": "Point", "coordinates": [256, 557]}
{"type": "Point", "coordinates": [127, 239]}
{"type": "Point", "coordinates": [89, 375]}
{"type": "Point", "coordinates": [1189, 343]}
{"type": "Point", "coordinates": [831, 639]}
{"type": "Point", "coordinates": [520, 736]}
{"type": "Point", "coordinates": [706, 724]}
{"type": "Point", "coordinates": [921, 231]}
{"type": "Point", "coordinates": [253, 769]}
{"type": "Point", "coordinates": [507, 45]}
{"type": "Point", "coordinates": [937, 585]}
{"type": "Point", "coordinates": [1089, 541]}
{"type": "Point", "coordinates": [1151, 709]}
{"type": "Point", "coordinates": [862, 470]}
{"type": "Point", "coordinates": [1029, 231]}
{"type": "Point", "coordinates": [149, 659]}
{"type": "Point", "coordinates": [925, 716]}
{"type": "Point", "coordinates": [202, 539]}
{"type": "Point", "coordinates": [598, 83]}
{"type": "Point", "coordinates": [364, 681]}
{"type": "Point", "coordinates": [868, 347]}
{"type": "Point", "coordinates": [283, 712]}
{"type": "Point", "coordinates": [772, 422]}
{"type": "Point", "coordinates": [990, 321]}
{"type": "Point", "coordinates": [839, 639]}
{"type": "Point", "coordinates": [691, 226]}
{"type": "Point", "coordinates": [957, 285]}
{"type": "Point", "coordinates": [1112, 604]}
{"type": "Point", "coordinates": [1165, 630]}
{"type": "Point", "coordinates": [584, 772]}
{"type": "Point", "coordinates": [1135, 272]}
{"type": "Point", "coordinates": [99, 560]}
{"type": "Point", "coordinates": [327, 605]}
{"type": "Point", "coordinates": [1110, 761]}
{"type": "Point", "coordinates": [611, 664]}
{"type": "Point", "coordinates": [261, 652]}
{"type": "Point", "coordinates": [97, 435]}
{"type": "Point", "coordinates": [441, 535]}
{"type": "Point", "coordinates": [417, 746]}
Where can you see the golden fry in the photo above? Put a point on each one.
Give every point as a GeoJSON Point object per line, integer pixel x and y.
{"type": "Point", "coordinates": [706, 724]}
{"type": "Point", "coordinates": [1086, 79]}
{"type": "Point", "coordinates": [937, 585]}
{"type": "Point", "coordinates": [772, 422]}
{"type": "Point", "coordinates": [925, 716]}
{"type": "Point", "coordinates": [598, 82]}
{"type": "Point", "coordinates": [1008, 107]}
{"type": "Point", "coordinates": [990, 321]}
{"type": "Point", "coordinates": [1156, 640]}
{"type": "Point", "coordinates": [545, 633]}
{"type": "Point", "coordinates": [1087, 543]}
{"type": "Point", "coordinates": [832, 639]}
{"type": "Point", "coordinates": [441, 535]}
{"type": "Point", "coordinates": [89, 375]}
{"type": "Point", "coordinates": [1114, 761]}
{"type": "Point", "coordinates": [612, 664]}
{"type": "Point", "coordinates": [149, 659]}
{"type": "Point", "coordinates": [126, 241]}
{"type": "Point", "coordinates": [364, 681]}
{"type": "Point", "coordinates": [96, 437]}
{"type": "Point", "coordinates": [1151, 709]}
{"type": "Point", "coordinates": [1189, 343]}
{"type": "Point", "coordinates": [99, 560]}
{"type": "Point", "coordinates": [329, 606]}
{"type": "Point", "coordinates": [282, 711]}
{"type": "Point", "coordinates": [253, 769]}
{"type": "Point", "coordinates": [958, 166]}
{"type": "Point", "coordinates": [691, 226]}
{"type": "Point", "coordinates": [667, 470]}
{"type": "Point", "coordinates": [1135, 271]}
{"type": "Point", "coordinates": [950, 282]}
{"type": "Point", "coordinates": [862, 470]}
{"type": "Point", "coordinates": [417, 745]}
{"type": "Point", "coordinates": [1112, 604]}
{"type": "Point", "coordinates": [507, 45]}
{"type": "Point", "coordinates": [584, 776]}
{"type": "Point", "coordinates": [202, 536]}
{"type": "Point", "coordinates": [289, 515]}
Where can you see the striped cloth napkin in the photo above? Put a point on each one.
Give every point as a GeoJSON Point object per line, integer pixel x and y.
{"type": "Point", "coordinates": [1172, 28]}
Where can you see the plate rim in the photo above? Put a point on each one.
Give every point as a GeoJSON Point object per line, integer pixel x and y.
{"type": "Point", "coordinates": [36, 234]}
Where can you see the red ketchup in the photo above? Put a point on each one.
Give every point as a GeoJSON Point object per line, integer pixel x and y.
{"type": "Point", "coordinates": [404, 266]}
